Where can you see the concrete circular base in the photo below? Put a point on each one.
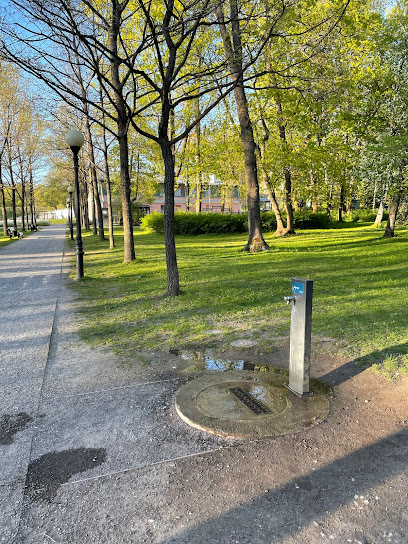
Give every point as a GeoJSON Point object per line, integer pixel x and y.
{"type": "Point", "coordinates": [246, 403]}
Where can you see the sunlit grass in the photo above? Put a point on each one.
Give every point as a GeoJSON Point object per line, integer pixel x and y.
{"type": "Point", "coordinates": [4, 241]}
{"type": "Point", "coordinates": [360, 291]}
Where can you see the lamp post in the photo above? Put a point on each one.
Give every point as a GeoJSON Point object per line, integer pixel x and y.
{"type": "Point", "coordinates": [75, 140]}
{"type": "Point", "coordinates": [70, 190]}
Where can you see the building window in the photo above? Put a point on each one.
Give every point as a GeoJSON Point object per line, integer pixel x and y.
{"type": "Point", "coordinates": [180, 191]}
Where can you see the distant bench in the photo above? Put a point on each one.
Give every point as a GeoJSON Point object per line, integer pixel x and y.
{"type": "Point", "coordinates": [13, 233]}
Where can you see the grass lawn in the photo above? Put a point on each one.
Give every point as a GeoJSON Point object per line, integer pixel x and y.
{"type": "Point", "coordinates": [360, 291]}
{"type": "Point", "coordinates": [5, 240]}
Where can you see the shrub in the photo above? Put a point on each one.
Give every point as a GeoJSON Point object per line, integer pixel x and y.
{"type": "Point", "coordinates": [303, 219]}
{"type": "Point", "coordinates": [306, 219]}
{"type": "Point", "coordinates": [219, 223]}
{"type": "Point", "coordinates": [198, 223]}
{"type": "Point", "coordinates": [153, 222]}
{"type": "Point", "coordinates": [366, 216]}
{"type": "Point", "coordinates": [268, 221]}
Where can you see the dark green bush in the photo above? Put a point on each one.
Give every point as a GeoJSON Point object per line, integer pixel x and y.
{"type": "Point", "coordinates": [198, 223]}
{"type": "Point", "coordinates": [306, 219]}
{"type": "Point", "coordinates": [218, 223]}
{"type": "Point", "coordinates": [268, 221]}
{"type": "Point", "coordinates": [303, 219]}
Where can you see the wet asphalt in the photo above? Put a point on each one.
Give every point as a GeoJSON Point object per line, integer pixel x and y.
{"type": "Point", "coordinates": [92, 450]}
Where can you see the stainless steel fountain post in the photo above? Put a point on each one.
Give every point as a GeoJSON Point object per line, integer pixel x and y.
{"type": "Point", "coordinates": [300, 336]}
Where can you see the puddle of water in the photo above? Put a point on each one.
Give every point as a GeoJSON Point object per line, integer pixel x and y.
{"type": "Point", "coordinates": [208, 360]}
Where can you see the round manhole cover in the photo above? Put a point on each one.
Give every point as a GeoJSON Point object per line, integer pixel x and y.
{"type": "Point", "coordinates": [246, 403]}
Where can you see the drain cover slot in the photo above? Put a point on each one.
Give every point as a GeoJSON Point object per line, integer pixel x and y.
{"type": "Point", "coordinates": [250, 402]}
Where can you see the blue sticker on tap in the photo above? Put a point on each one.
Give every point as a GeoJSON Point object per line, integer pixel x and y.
{"type": "Point", "coordinates": [298, 288]}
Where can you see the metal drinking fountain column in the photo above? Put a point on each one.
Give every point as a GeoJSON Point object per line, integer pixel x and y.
{"type": "Point", "coordinates": [300, 336]}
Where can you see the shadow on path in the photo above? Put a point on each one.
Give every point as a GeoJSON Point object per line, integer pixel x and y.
{"type": "Point", "coordinates": [285, 511]}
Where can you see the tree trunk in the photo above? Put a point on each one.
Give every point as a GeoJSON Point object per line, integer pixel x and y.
{"type": "Point", "coordinates": [341, 205]}
{"type": "Point", "coordinates": [129, 246]}
{"type": "Point", "coordinates": [199, 190]}
{"type": "Point", "coordinates": [290, 222]}
{"type": "Point", "coordinates": [389, 229]}
{"type": "Point", "coordinates": [280, 229]}
{"type": "Point", "coordinates": [380, 211]}
{"type": "Point", "coordinates": [97, 200]}
{"type": "Point", "coordinates": [93, 210]}
{"type": "Point", "coordinates": [173, 284]}
{"type": "Point", "coordinates": [94, 229]}
{"type": "Point", "coordinates": [22, 199]}
{"type": "Point", "coordinates": [108, 192]}
{"type": "Point", "coordinates": [288, 174]}
{"type": "Point", "coordinates": [107, 174]}
{"type": "Point", "coordinates": [375, 196]}
{"type": "Point", "coordinates": [313, 181]}
{"type": "Point", "coordinates": [26, 208]}
{"type": "Point", "coordinates": [199, 179]}
{"type": "Point", "coordinates": [187, 192]}
{"type": "Point", "coordinates": [13, 206]}
{"type": "Point", "coordinates": [3, 204]}
{"type": "Point", "coordinates": [32, 203]}
{"type": "Point", "coordinates": [122, 125]}
{"type": "Point", "coordinates": [233, 52]}
{"type": "Point", "coordinates": [329, 188]}
{"type": "Point", "coordinates": [13, 192]}
{"type": "Point", "coordinates": [22, 195]}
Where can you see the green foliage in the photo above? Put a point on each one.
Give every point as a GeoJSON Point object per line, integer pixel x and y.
{"type": "Point", "coordinates": [198, 223]}
{"type": "Point", "coordinates": [366, 216]}
{"type": "Point", "coordinates": [219, 223]}
{"type": "Point", "coordinates": [305, 219]}
{"type": "Point", "coordinates": [268, 221]}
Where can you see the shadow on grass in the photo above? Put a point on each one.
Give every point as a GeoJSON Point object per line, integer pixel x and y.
{"type": "Point", "coordinates": [356, 282]}
{"type": "Point", "coordinates": [356, 366]}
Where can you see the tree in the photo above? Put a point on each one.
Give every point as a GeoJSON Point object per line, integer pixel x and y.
{"type": "Point", "coordinates": [91, 35]}
{"type": "Point", "coordinates": [234, 53]}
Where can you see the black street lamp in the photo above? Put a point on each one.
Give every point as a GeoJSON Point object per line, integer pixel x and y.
{"type": "Point", "coordinates": [70, 190]}
{"type": "Point", "coordinates": [75, 140]}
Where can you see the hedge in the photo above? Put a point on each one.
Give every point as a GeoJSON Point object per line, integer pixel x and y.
{"type": "Point", "coordinates": [219, 223]}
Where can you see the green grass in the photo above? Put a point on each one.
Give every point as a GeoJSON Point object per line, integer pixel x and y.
{"type": "Point", "coordinates": [5, 241]}
{"type": "Point", "coordinates": [360, 291]}
{"type": "Point", "coordinates": [393, 366]}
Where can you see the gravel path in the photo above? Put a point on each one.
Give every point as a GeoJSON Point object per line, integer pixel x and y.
{"type": "Point", "coordinates": [92, 451]}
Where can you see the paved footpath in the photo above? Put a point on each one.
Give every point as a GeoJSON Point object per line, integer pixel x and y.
{"type": "Point", "coordinates": [92, 451]}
